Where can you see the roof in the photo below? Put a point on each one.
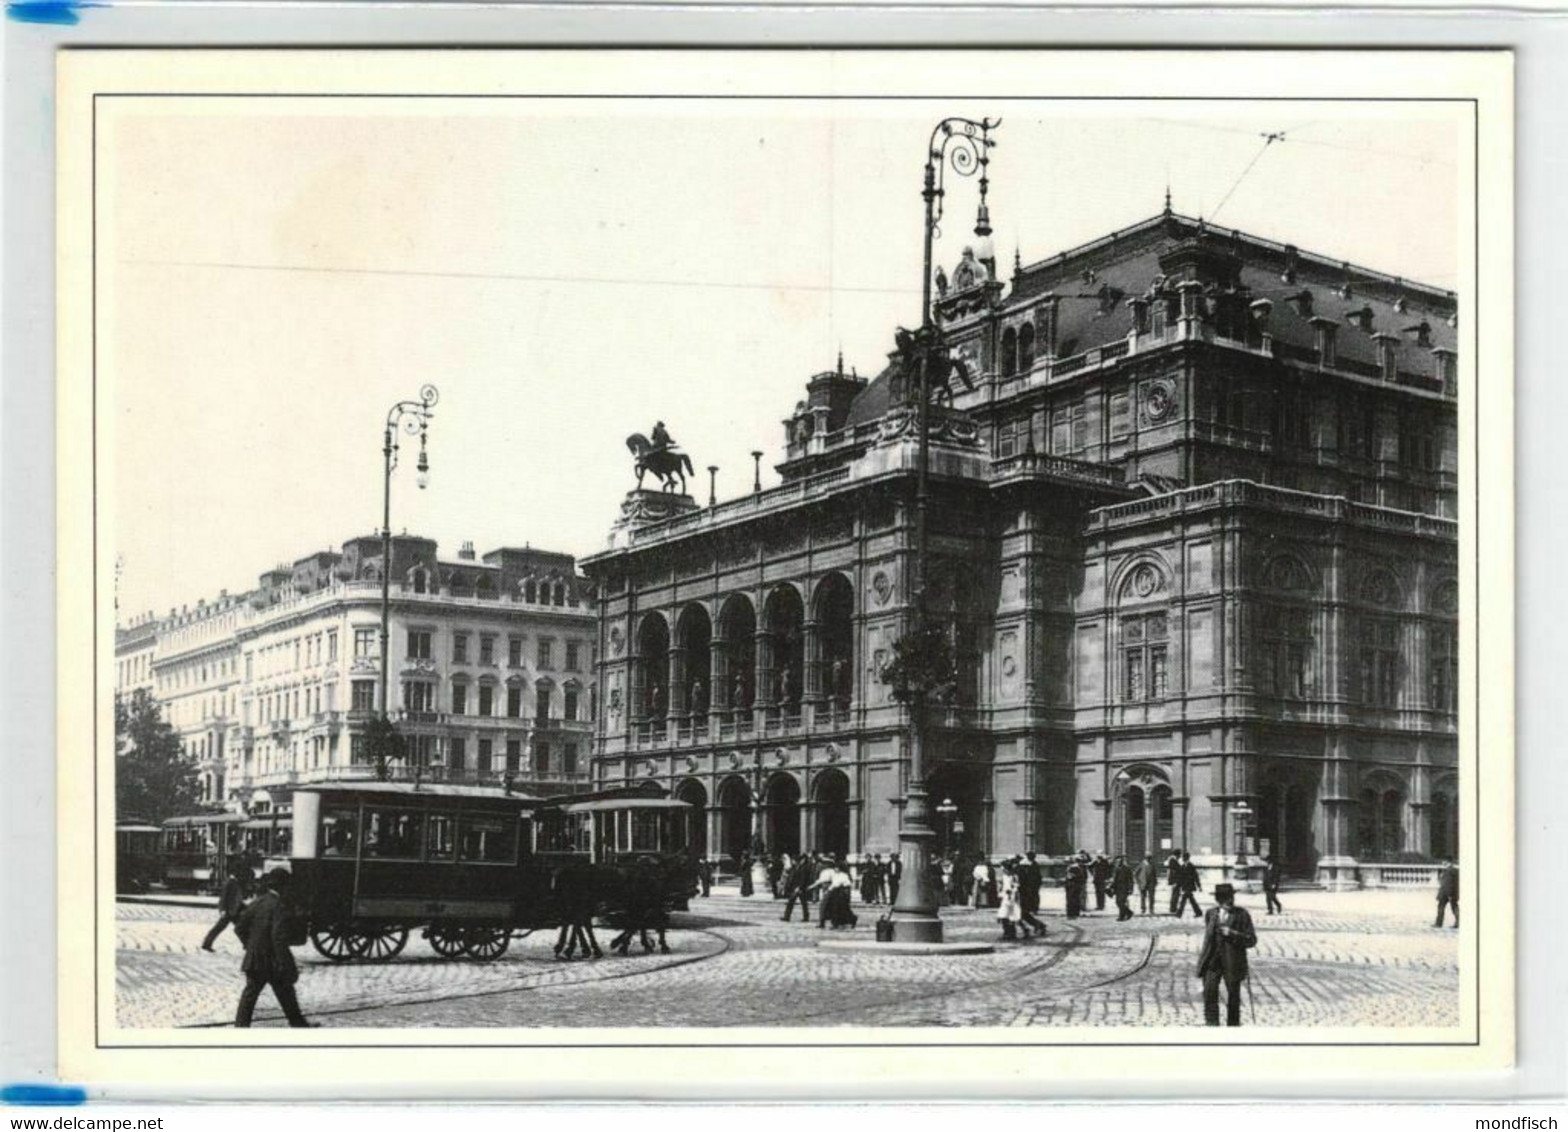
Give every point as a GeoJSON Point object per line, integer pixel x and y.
{"type": "Point", "coordinates": [605, 804]}
{"type": "Point", "coordinates": [422, 790]}
{"type": "Point", "coordinates": [203, 819]}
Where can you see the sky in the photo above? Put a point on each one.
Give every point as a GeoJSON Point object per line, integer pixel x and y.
{"type": "Point", "coordinates": [274, 276]}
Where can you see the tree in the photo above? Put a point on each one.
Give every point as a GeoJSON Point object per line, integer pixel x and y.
{"type": "Point", "coordinates": [153, 779]}
{"type": "Point", "coordinates": [383, 746]}
{"type": "Point", "coordinates": [922, 671]}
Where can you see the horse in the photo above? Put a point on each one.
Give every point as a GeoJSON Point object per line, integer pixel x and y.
{"type": "Point", "coordinates": [668, 465]}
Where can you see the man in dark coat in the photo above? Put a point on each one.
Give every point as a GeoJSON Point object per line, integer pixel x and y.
{"type": "Point", "coordinates": [895, 873]}
{"type": "Point", "coordinates": [1172, 872]}
{"type": "Point", "coordinates": [1029, 880]}
{"type": "Point", "coordinates": [1227, 934]}
{"type": "Point", "coordinates": [775, 873]}
{"type": "Point", "coordinates": [1101, 872]}
{"type": "Point", "coordinates": [1271, 875]}
{"type": "Point", "coordinates": [1447, 892]}
{"type": "Point", "coordinates": [1074, 887]}
{"type": "Point", "coordinates": [1147, 878]}
{"type": "Point", "coordinates": [797, 887]}
{"type": "Point", "coordinates": [705, 875]}
{"type": "Point", "coordinates": [1186, 884]}
{"type": "Point", "coordinates": [268, 926]}
{"type": "Point", "coordinates": [235, 890]}
{"type": "Point", "coordinates": [1121, 887]}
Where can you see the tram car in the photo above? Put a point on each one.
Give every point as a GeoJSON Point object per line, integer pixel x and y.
{"type": "Point", "coordinates": [138, 856]}
{"type": "Point", "coordinates": [468, 866]}
{"type": "Point", "coordinates": [198, 850]}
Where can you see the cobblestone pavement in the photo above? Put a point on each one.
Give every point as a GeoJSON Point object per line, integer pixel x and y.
{"type": "Point", "coordinates": [1342, 959]}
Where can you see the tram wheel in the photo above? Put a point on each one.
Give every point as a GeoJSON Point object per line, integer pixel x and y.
{"type": "Point", "coordinates": [488, 943]}
{"type": "Point", "coordinates": [448, 943]}
{"type": "Point", "coordinates": [382, 944]}
{"type": "Point", "coordinates": [337, 943]}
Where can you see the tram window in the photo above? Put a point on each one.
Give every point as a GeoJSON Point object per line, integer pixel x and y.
{"type": "Point", "coordinates": [645, 830]}
{"type": "Point", "coordinates": [489, 838]}
{"type": "Point", "coordinates": [393, 833]}
{"type": "Point", "coordinates": [337, 830]}
{"type": "Point", "coordinates": [441, 837]}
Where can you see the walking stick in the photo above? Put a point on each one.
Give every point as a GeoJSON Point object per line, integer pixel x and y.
{"type": "Point", "coordinates": [1252, 1008]}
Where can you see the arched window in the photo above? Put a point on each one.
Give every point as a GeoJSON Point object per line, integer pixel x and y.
{"type": "Point", "coordinates": [529, 591]}
{"type": "Point", "coordinates": [560, 593]}
{"type": "Point", "coordinates": [1026, 348]}
{"type": "Point", "coordinates": [835, 616]}
{"type": "Point", "coordinates": [484, 587]}
{"type": "Point", "coordinates": [1009, 352]}
{"type": "Point", "coordinates": [784, 621]}
{"type": "Point", "coordinates": [651, 667]}
{"type": "Point", "coordinates": [694, 638]}
{"type": "Point", "coordinates": [419, 581]}
{"type": "Point", "coordinates": [735, 685]}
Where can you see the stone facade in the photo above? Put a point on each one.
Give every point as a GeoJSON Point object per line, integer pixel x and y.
{"type": "Point", "coordinates": [491, 671]}
{"type": "Point", "coordinates": [1192, 537]}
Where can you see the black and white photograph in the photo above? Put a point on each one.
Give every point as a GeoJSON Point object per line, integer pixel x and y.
{"type": "Point", "coordinates": [814, 563]}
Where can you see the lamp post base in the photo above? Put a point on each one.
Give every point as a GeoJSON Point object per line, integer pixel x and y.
{"type": "Point", "coordinates": [917, 929]}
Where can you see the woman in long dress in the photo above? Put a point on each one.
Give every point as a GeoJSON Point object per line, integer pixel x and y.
{"type": "Point", "coordinates": [870, 879]}
{"type": "Point", "coordinates": [1009, 910]}
{"type": "Point", "coordinates": [745, 875]}
{"type": "Point", "coordinates": [839, 913]}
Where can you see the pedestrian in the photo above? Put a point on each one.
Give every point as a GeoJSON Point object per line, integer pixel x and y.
{"type": "Point", "coordinates": [981, 876]}
{"type": "Point", "coordinates": [1030, 878]}
{"type": "Point", "coordinates": [1447, 892]}
{"type": "Point", "coordinates": [1227, 934]}
{"type": "Point", "coordinates": [745, 874]}
{"type": "Point", "coordinates": [869, 883]}
{"type": "Point", "coordinates": [820, 888]}
{"type": "Point", "coordinates": [235, 890]}
{"type": "Point", "coordinates": [705, 875]}
{"type": "Point", "coordinates": [836, 908]}
{"type": "Point", "coordinates": [1074, 887]}
{"type": "Point", "coordinates": [1172, 871]}
{"type": "Point", "coordinates": [269, 927]}
{"type": "Point", "coordinates": [947, 880]}
{"type": "Point", "coordinates": [1147, 878]}
{"type": "Point", "coordinates": [1187, 883]}
{"type": "Point", "coordinates": [797, 888]}
{"type": "Point", "coordinates": [1008, 911]}
{"type": "Point", "coordinates": [895, 873]}
{"type": "Point", "coordinates": [1121, 888]}
{"type": "Point", "coordinates": [775, 873]}
{"type": "Point", "coordinates": [1271, 884]}
{"type": "Point", "coordinates": [1101, 872]}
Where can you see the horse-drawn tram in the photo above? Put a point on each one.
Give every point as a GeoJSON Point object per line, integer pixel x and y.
{"type": "Point", "coordinates": [468, 865]}
{"type": "Point", "coordinates": [197, 849]}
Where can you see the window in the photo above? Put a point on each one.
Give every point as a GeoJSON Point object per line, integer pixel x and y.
{"type": "Point", "coordinates": [488, 839]}
{"type": "Point", "coordinates": [459, 699]}
{"type": "Point", "coordinates": [332, 651]}
{"type": "Point", "coordinates": [457, 749]}
{"type": "Point", "coordinates": [1445, 669]}
{"type": "Point", "coordinates": [514, 755]}
{"type": "Point", "coordinates": [365, 642]}
{"type": "Point", "coordinates": [1069, 429]}
{"type": "Point", "coordinates": [459, 648]}
{"type": "Point", "coordinates": [419, 644]}
{"type": "Point", "coordinates": [573, 655]}
{"type": "Point", "coordinates": [419, 696]}
{"type": "Point", "coordinates": [441, 837]}
{"type": "Point", "coordinates": [569, 710]}
{"type": "Point", "coordinates": [542, 702]}
{"type": "Point", "coordinates": [487, 648]}
{"type": "Point", "coordinates": [1144, 657]}
{"type": "Point", "coordinates": [338, 830]}
{"type": "Point", "coordinates": [1026, 348]}
{"type": "Point", "coordinates": [514, 703]}
{"type": "Point", "coordinates": [569, 759]}
{"type": "Point", "coordinates": [394, 833]}
{"type": "Point", "coordinates": [1380, 664]}
{"type": "Point", "coordinates": [1009, 352]}
{"type": "Point", "coordinates": [541, 758]}
{"type": "Point", "coordinates": [1285, 646]}
{"type": "Point", "coordinates": [485, 747]}
{"type": "Point", "coordinates": [1012, 437]}
{"type": "Point", "coordinates": [544, 660]}
{"type": "Point", "coordinates": [486, 700]}
{"type": "Point", "coordinates": [514, 652]}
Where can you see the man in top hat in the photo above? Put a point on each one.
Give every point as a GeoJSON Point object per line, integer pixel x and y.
{"type": "Point", "coordinates": [1186, 884]}
{"type": "Point", "coordinates": [1147, 877]}
{"type": "Point", "coordinates": [1121, 888]}
{"type": "Point", "coordinates": [1271, 878]}
{"type": "Point", "coordinates": [1101, 872]}
{"type": "Point", "coordinates": [1030, 878]}
{"type": "Point", "coordinates": [1227, 934]}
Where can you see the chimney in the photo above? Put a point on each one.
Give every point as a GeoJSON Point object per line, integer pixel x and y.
{"type": "Point", "coordinates": [1288, 275]}
{"type": "Point", "coordinates": [466, 552]}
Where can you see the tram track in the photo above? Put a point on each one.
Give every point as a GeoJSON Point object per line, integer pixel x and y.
{"type": "Point", "coordinates": [725, 946]}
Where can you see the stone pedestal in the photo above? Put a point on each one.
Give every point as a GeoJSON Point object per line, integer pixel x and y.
{"type": "Point", "coordinates": [643, 507]}
{"type": "Point", "coordinates": [1338, 874]}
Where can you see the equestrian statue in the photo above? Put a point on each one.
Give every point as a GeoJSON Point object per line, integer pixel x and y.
{"type": "Point", "coordinates": [659, 457]}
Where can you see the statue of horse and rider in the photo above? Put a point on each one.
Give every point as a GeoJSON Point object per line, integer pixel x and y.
{"type": "Point", "coordinates": [659, 456]}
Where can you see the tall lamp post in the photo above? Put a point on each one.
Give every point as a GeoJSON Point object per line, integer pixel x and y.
{"type": "Point", "coordinates": [412, 417]}
{"type": "Point", "coordinates": [964, 145]}
{"type": "Point", "coordinates": [947, 810]}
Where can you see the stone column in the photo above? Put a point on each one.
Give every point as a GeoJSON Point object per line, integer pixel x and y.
{"type": "Point", "coordinates": [763, 691]}
{"type": "Point", "coordinates": [718, 676]}
{"type": "Point", "coordinates": [676, 688]}
{"type": "Point", "coordinates": [813, 692]}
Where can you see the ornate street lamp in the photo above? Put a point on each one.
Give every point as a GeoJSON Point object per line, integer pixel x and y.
{"type": "Point", "coordinates": [412, 417]}
{"type": "Point", "coordinates": [947, 810]}
{"type": "Point", "coordinates": [964, 145]}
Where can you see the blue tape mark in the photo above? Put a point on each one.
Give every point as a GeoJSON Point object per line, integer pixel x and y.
{"type": "Point", "coordinates": [47, 11]}
{"type": "Point", "coordinates": [43, 1094]}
